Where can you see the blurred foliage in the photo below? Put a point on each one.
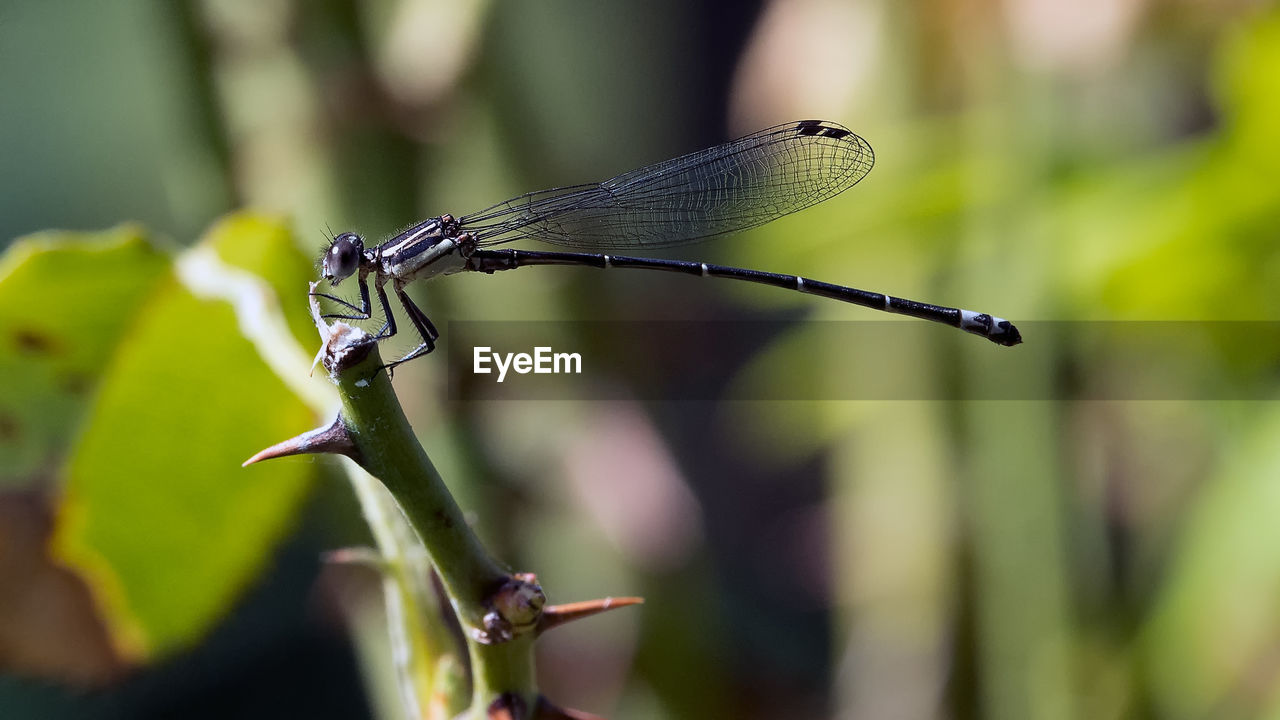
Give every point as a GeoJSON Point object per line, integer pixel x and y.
{"type": "Point", "coordinates": [140, 398]}
{"type": "Point", "coordinates": [53, 359]}
{"type": "Point", "coordinates": [1067, 554]}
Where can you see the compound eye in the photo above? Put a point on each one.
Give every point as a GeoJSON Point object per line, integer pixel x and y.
{"type": "Point", "coordinates": [343, 258]}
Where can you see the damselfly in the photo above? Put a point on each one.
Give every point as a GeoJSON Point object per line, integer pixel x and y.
{"type": "Point", "coordinates": [730, 187]}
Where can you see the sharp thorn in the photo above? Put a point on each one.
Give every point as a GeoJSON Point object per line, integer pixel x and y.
{"type": "Point", "coordinates": [556, 615]}
{"type": "Point", "coordinates": [333, 439]}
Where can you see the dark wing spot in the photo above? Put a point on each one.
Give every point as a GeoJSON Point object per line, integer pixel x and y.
{"type": "Point", "coordinates": [836, 133]}
{"type": "Point", "coordinates": [809, 127]}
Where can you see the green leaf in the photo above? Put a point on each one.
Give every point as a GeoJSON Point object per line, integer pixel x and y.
{"type": "Point", "coordinates": [65, 300]}
{"type": "Point", "coordinates": [158, 512]}
{"type": "Point", "coordinates": [267, 248]}
{"type": "Point", "coordinates": [171, 394]}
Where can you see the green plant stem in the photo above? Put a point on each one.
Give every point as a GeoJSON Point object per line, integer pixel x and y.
{"type": "Point", "coordinates": [420, 642]}
{"type": "Point", "coordinates": [387, 449]}
{"type": "Point", "coordinates": [497, 669]}
{"type": "Point", "coordinates": [390, 452]}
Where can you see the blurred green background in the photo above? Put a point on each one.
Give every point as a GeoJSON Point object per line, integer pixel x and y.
{"type": "Point", "coordinates": [1083, 168]}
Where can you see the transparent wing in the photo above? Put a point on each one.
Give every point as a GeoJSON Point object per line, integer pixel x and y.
{"type": "Point", "coordinates": [730, 187]}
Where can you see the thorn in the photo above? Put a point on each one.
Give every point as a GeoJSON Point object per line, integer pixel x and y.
{"type": "Point", "coordinates": [333, 439]}
{"type": "Point", "coordinates": [547, 711]}
{"type": "Point", "coordinates": [556, 615]}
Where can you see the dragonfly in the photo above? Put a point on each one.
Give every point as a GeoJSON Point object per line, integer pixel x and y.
{"type": "Point", "coordinates": [724, 189]}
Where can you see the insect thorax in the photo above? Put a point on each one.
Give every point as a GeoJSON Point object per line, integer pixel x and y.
{"type": "Point", "coordinates": [423, 250]}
